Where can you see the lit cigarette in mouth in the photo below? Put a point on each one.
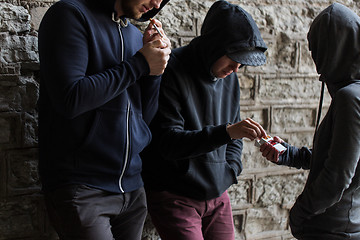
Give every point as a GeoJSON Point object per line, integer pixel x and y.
{"type": "Point", "coordinates": [157, 29]}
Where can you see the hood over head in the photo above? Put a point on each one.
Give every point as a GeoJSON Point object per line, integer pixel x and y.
{"type": "Point", "coordinates": [229, 30]}
{"type": "Point", "coordinates": [334, 42]}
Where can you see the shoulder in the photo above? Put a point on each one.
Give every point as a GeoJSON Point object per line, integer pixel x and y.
{"type": "Point", "coordinates": [178, 57]}
{"type": "Point", "coordinates": [178, 75]}
{"type": "Point", "coordinates": [63, 11]}
{"type": "Point", "coordinates": [178, 62]}
{"type": "Point", "coordinates": [347, 101]}
{"type": "Point", "coordinates": [61, 16]}
{"type": "Point", "coordinates": [89, 9]}
{"type": "Point", "coordinates": [348, 94]}
{"type": "Point", "coordinates": [68, 4]}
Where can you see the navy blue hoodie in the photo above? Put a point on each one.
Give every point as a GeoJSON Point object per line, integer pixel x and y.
{"type": "Point", "coordinates": [96, 98]}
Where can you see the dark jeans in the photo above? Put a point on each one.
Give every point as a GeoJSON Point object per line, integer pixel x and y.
{"type": "Point", "coordinates": [78, 212]}
{"type": "Point", "coordinates": [180, 218]}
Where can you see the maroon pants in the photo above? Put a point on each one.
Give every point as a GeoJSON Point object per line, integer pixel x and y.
{"type": "Point", "coordinates": [180, 218]}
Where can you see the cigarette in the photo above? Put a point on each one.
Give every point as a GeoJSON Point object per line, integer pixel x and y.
{"type": "Point", "coordinates": [157, 29]}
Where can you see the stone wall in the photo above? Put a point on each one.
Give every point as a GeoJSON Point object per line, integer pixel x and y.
{"type": "Point", "coordinates": [282, 95]}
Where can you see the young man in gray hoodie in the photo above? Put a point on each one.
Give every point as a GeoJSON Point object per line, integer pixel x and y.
{"type": "Point", "coordinates": [196, 150]}
{"type": "Point", "coordinates": [329, 206]}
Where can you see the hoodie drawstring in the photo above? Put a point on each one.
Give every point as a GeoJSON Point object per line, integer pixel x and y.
{"type": "Point", "coordinates": [320, 106]}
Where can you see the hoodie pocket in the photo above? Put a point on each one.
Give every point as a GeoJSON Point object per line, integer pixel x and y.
{"type": "Point", "coordinates": [208, 180]}
{"type": "Point", "coordinates": [103, 149]}
{"type": "Point", "coordinates": [140, 137]}
{"type": "Point", "coordinates": [140, 132]}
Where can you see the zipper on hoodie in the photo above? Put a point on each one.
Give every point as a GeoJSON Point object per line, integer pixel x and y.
{"type": "Point", "coordinates": [120, 24]}
{"type": "Point", "coordinates": [127, 150]}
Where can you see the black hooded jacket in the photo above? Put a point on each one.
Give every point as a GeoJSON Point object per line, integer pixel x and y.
{"type": "Point", "coordinates": [329, 206]}
{"type": "Point", "coordinates": [191, 153]}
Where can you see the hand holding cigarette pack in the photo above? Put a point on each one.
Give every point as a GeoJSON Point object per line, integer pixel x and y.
{"type": "Point", "coordinates": [268, 139]}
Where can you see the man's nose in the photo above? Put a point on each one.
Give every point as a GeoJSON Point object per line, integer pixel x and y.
{"type": "Point", "coordinates": [236, 67]}
{"type": "Point", "coordinates": [156, 3]}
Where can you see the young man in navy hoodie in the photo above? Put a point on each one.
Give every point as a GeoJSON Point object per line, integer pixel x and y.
{"type": "Point", "coordinates": [195, 155]}
{"type": "Point", "coordinates": [98, 93]}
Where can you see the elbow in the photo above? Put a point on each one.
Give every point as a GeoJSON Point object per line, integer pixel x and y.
{"type": "Point", "coordinates": [70, 109]}
{"type": "Point", "coordinates": [69, 113]}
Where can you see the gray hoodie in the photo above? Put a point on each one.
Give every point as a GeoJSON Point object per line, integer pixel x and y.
{"type": "Point", "coordinates": [329, 206]}
{"type": "Point", "coordinates": [191, 153]}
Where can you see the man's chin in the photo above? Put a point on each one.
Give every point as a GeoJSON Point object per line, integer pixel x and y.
{"type": "Point", "coordinates": [135, 16]}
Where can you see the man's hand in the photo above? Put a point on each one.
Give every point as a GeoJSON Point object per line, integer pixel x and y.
{"type": "Point", "coordinates": [154, 31]}
{"type": "Point", "coordinates": [247, 128]}
{"type": "Point", "coordinates": [269, 152]}
{"type": "Point", "coordinates": [156, 49]}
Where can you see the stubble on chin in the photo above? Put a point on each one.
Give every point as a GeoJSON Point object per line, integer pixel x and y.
{"type": "Point", "coordinates": [130, 12]}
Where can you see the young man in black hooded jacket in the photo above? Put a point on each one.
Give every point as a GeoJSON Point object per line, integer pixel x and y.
{"type": "Point", "coordinates": [196, 150]}
{"type": "Point", "coordinates": [98, 93]}
{"type": "Point", "coordinates": [329, 206]}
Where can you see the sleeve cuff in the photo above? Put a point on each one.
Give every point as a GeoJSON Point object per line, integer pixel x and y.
{"type": "Point", "coordinates": [143, 63]}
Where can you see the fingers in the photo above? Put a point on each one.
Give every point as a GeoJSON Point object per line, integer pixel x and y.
{"type": "Point", "coordinates": [250, 133]}
{"type": "Point", "coordinates": [258, 128]}
{"type": "Point", "coordinates": [156, 48]}
{"type": "Point", "coordinates": [247, 128]}
{"type": "Point", "coordinates": [269, 152]}
{"type": "Point", "coordinates": [154, 31]}
{"type": "Point", "coordinates": [158, 26]}
{"type": "Point", "coordinates": [253, 129]}
{"type": "Point", "coordinates": [152, 35]}
{"type": "Point", "coordinates": [277, 139]}
{"type": "Point", "coordinates": [159, 43]}
{"type": "Point", "coordinates": [156, 56]}
{"type": "Point", "coordinates": [155, 22]}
